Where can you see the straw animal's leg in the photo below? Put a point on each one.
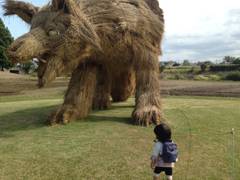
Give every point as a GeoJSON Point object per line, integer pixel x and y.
{"type": "Point", "coordinates": [79, 96]}
{"type": "Point", "coordinates": [148, 101]}
{"type": "Point", "coordinates": [101, 98]}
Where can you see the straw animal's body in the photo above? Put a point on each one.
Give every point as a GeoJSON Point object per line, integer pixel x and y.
{"type": "Point", "coordinates": [110, 46]}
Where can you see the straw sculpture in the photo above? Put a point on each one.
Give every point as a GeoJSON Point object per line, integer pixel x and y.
{"type": "Point", "coordinates": [110, 47]}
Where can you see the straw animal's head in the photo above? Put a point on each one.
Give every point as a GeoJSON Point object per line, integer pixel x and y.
{"type": "Point", "coordinates": [60, 36]}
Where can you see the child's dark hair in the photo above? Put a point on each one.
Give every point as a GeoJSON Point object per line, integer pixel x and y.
{"type": "Point", "coordinates": [163, 132]}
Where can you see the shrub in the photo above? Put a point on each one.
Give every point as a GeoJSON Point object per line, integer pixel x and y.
{"type": "Point", "coordinates": [192, 69]}
{"type": "Point", "coordinates": [168, 76]}
{"type": "Point", "coordinates": [224, 67]}
{"type": "Point", "coordinates": [179, 77]}
{"type": "Point", "coordinates": [28, 67]}
{"type": "Point", "coordinates": [186, 63]}
{"type": "Point", "coordinates": [176, 64]}
{"type": "Point", "coordinates": [236, 61]}
{"type": "Point", "coordinates": [209, 77]}
{"type": "Point", "coordinates": [214, 77]}
{"type": "Point", "coordinates": [162, 67]}
{"type": "Point", "coordinates": [201, 78]}
{"type": "Point", "coordinates": [234, 76]}
{"type": "Point", "coordinates": [203, 67]}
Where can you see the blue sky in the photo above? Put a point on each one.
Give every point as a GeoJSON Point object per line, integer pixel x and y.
{"type": "Point", "coordinates": [16, 26]}
{"type": "Point", "coordinates": [195, 30]}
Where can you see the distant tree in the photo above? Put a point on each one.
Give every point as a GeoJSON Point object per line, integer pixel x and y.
{"type": "Point", "coordinates": [5, 40]}
{"type": "Point", "coordinates": [186, 63]}
{"type": "Point", "coordinates": [192, 69]}
{"type": "Point", "coordinates": [28, 67]}
{"type": "Point", "coordinates": [162, 63]}
{"type": "Point", "coordinates": [162, 67]}
{"type": "Point", "coordinates": [169, 63]}
{"type": "Point", "coordinates": [203, 67]}
{"type": "Point", "coordinates": [236, 61]}
{"type": "Point", "coordinates": [228, 60]}
{"type": "Point", "coordinates": [176, 64]}
{"type": "Point", "coordinates": [208, 63]}
{"type": "Point", "coordinates": [3, 57]}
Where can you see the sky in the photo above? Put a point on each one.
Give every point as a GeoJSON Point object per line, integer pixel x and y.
{"type": "Point", "coordinates": [197, 30]}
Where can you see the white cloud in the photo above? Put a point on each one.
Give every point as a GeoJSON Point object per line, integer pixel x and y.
{"type": "Point", "coordinates": [201, 29]}
{"type": "Point", "coordinates": [195, 29]}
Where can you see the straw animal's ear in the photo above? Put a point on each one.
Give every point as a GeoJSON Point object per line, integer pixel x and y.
{"type": "Point", "coordinates": [58, 4]}
{"type": "Point", "coordinates": [86, 32]}
{"type": "Point", "coordinates": [22, 9]}
{"type": "Point", "coordinates": [68, 6]}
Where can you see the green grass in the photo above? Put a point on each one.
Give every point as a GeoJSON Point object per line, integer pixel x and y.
{"type": "Point", "coordinates": [107, 146]}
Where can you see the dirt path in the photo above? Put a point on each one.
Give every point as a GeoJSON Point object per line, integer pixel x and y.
{"type": "Point", "coordinates": [13, 84]}
{"type": "Point", "coordinates": [201, 88]}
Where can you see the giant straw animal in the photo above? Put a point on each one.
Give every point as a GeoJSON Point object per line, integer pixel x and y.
{"type": "Point", "coordinates": [110, 47]}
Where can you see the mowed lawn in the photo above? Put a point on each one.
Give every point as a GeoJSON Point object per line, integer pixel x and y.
{"type": "Point", "coordinates": [106, 146]}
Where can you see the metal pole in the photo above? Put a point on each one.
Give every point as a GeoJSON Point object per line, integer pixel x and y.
{"type": "Point", "coordinates": [233, 153]}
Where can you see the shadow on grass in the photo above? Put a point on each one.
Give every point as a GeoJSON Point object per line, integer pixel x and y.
{"type": "Point", "coordinates": [36, 118]}
{"type": "Point", "coordinates": [99, 118]}
{"type": "Point", "coordinates": [24, 120]}
{"type": "Point", "coordinates": [120, 107]}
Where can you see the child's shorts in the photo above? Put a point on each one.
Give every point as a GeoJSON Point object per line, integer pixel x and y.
{"type": "Point", "coordinates": [168, 171]}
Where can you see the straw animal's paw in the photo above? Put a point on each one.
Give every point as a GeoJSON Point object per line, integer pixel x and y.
{"type": "Point", "coordinates": [146, 115]}
{"type": "Point", "coordinates": [62, 116]}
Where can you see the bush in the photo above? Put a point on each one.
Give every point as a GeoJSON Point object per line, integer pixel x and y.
{"type": "Point", "coordinates": [203, 67]}
{"type": "Point", "coordinates": [28, 67]}
{"type": "Point", "coordinates": [234, 76]}
{"type": "Point", "coordinates": [209, 77]}
{"type": "Point", "coordinates": [236, 61]}
{"type": "Point", "coordinates": [224, 67]}
{"type": "Point", "coordinates": [179, 77]}
{"type": "Point", "coordinates": [186, 63]}
{"type": "Point", "coordinates": [162, 67]}
{"type": "Point", "coordinates": [201, 78]}
{"type": "Point", "coordinates": [168, 76]}
{"type": "Point", "coordinates": [176, 64]}
{"type": "Point", "coordinates": [214, 77]}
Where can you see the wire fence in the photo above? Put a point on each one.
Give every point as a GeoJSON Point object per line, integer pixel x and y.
{"type": "Point", "coordinates": [226, 167]}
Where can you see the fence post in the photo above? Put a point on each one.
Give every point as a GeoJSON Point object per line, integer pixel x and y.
{"type": "Point", "coordinates": [233, 153]}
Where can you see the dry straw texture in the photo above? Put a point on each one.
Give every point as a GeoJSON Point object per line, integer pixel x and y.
{"type": "Point", "coordinates": [111, 47]}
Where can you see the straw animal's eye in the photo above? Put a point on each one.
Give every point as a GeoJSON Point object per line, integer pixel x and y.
{"type": "Point", "coordinates": [53, 33]}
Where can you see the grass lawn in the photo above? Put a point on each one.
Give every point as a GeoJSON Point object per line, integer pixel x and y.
{"type": "Point", "coordinates": [106, 146]}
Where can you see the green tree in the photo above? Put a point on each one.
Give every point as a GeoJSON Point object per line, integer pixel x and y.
{"type": "Point", "coordinates": [236, 61]}
{"type": "Point", "coordinates": [5, 40]}
{"type": "Point", "coordinates": [203, 67]}
{"type": "Point", "coordinates": [228, 60]}
{"type": "Point", "coordinates": [186, 63]}
{"type": "Point", "coordinates": [28, 67]}
{"type": "Point", "coordinates": [208, 63]}
{"type": "Point", "coordinates": [162, 67]}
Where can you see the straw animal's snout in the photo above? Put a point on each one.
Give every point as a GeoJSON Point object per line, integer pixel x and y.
{"type": "Point", "coordinates": [27, 47]}
{"type": "Point", "coordinates": [61, 37]}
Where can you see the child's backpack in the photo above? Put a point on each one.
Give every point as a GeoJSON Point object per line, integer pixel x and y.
{"type": "Point", "coordinates": [169, 152]}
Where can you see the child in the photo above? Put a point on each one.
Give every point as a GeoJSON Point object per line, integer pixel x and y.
{"type": "Point", "coordinates": [164, 152]}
